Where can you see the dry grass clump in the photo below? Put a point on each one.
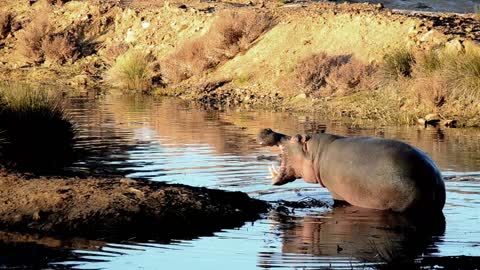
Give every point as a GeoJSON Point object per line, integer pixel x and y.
{"type": "Point", "coordinates": [462, 71]}
{"type": "Point", "coordinates": [441, 76]}
{"type": "Point", "coordinates": [231, 33]}
{"type": "Point", "coordinates": [30, 40]}
{"type": "Point", "coordinates": [59, 49]}
{"type": "Point", "coordinates": [38, 42]}
{"type": "Point", "coordinates": [37, 134]}
{"type": "Point", "coordinates": [132, 71]}
{"type": "Point", "coordinates": [6, 19]}
{"type": "Point", "coordinates": [398, 64]}
{"type": "Point", "coordinates": [324, 75]}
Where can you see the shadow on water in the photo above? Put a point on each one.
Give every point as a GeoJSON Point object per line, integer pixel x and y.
{"type": "Point", "coordinates": [353, 237]}
{"type": "Point", "coordinates": [26, 251]}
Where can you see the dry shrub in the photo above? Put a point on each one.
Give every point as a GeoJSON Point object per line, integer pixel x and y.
{"type": "Point", "coordinates": [31, 38]}
{"type": "Point", "coordinates": [58, 49]}
{"type": "Point", "coordinates": [114, 50]}
{"type": "Point", "coordinates": [351, 77]}
{"type": "Point", "coordinates": [231, 33]}
{"type": "Point", "coordinates": [324, 75]}
{"type": "Point", "coordinates": [431, 91]}
{"type": "Point", "coordinates": [6, 19]}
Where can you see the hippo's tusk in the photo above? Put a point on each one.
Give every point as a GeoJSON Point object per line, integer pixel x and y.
{"type": "Point", "coordinates": [273, 171]}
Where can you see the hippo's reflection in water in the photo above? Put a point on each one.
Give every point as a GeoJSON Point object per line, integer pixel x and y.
{"type": "Point", "coordinates": [358, 235]}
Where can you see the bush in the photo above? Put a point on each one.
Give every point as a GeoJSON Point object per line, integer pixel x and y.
{"type": "Point", "coordinates": [6, 19]}
{"type": "Point", "coordinates": [58, 49]}
{"type": "Point", "coordinates": [231, 33]}
{"type": "Point", "coordinates": [31, 38]}
{"type": "Point", "coordinates": [132, 71]}
{"type": "Point", "coordinates": [432, 90]}
{"type": "Point", "coordinates": [36, 133]}
{"type": "Point", "coordinates": [324, 75]}
{"type": "Point", "coordinates": [462, 71]}
{"type": "Point", "coordinates": [398, 64]}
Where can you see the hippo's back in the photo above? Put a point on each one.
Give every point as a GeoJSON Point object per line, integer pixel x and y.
{"type": "Point", "coordinates": [382, 174]}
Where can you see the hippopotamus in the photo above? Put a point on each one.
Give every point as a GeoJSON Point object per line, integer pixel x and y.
{"type": "Point", "coordinates": [367, 172]}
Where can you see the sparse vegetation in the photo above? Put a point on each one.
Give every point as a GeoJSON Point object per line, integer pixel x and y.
{"type": "Point", "coordinates": [231, 33]}
{"type": "Point", "coordinates": [132, 71]}
{"type": "Point", "coordinates": [6, 19]}
{"type": "Point", "coordinates": [36, 134]}
{"type": "Point", "coordinates": [114, 50]}
{"type": "Point", "coordinates": [38, 43]}
{"type": "Point", "coordinates": [398, 63]}
{"type": "Point", "coordinates": [58, 49]}
{"type": "Point", "coordinates": [462, 71]}
{"type": "Point", "coordinates": [324, 75]}
{"type": "Point", "coordinates": [30, 39]}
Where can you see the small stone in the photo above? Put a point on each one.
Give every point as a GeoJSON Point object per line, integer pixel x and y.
{"type": "Point", "coordinates": [449, 123]}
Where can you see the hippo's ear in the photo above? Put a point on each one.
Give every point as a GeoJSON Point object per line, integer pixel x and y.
{"type": "Point", "coordinates": [297, 138]}
{"type": "Point", "coordinates": [305, 138]}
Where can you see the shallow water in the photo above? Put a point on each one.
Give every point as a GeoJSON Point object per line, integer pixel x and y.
{"type": "Point", "coordinates": [176, 142]}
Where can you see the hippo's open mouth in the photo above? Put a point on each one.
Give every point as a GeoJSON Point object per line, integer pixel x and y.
{"type": "Point", "coordinates": [282, 175]}
{"type": "Point", "coordinates": [278, 173]}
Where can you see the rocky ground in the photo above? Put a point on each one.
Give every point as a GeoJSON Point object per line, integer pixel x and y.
{"type": "Point", "coordinates": [119, 208]}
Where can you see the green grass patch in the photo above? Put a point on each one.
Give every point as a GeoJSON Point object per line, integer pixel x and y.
{"type": "Point", "coordinates": [132, 71]}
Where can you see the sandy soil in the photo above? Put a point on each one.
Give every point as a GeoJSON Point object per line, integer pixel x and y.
{"type": "Point", "coordinates": [118, 208]}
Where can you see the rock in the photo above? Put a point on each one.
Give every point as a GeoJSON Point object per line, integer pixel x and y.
{"type": "Point", "coordinates": [432, 117]}
{"type": "Point", "coordinates": [454, 46]}
{"type": "Point", "coordinates": [421, 121]}
{"type": "Point", "coordinates": [300, 96]}
{"type": "Point", "coordinates": [80, 80]}
{"type": "Point", "coordinates": [449, 123]}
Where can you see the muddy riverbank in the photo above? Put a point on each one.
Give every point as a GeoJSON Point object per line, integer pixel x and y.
{"type": "Point", "coordinates": [119, 208]}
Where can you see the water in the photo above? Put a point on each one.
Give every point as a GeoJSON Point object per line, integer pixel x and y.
{"type": "Point", "coordinates": [176, 142]}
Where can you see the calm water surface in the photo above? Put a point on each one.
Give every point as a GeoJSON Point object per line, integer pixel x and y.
{"type": "Point", "coordinates": [172, 141]}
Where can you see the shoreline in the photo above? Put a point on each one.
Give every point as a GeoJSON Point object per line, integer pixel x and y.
{"type": "Point", "coordinates": [119, 208]}
{"type": "Point", "coordinates": [260, 75]}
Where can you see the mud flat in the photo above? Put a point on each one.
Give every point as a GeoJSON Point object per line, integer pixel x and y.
{"type": "Point", "coordinates": [119, 208]}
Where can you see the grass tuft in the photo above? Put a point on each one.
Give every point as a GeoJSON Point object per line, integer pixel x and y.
{"type": "Point", "coordinates": [132, 71]}
{"type": "Point", "coordinates": [462, 71]}
{"type": "Point", "coordinates": [398, 64]}
{"type": "Point", "coordinates": [36, 134]}
{"type": "Point", "coordinates": [59, 49]}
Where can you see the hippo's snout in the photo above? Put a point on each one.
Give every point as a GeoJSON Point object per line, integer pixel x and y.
{"type": "Point", "coordinates": [268, 137]}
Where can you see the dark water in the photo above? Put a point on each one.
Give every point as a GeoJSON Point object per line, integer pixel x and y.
{"type": "Point", "coordinates": [172, 141]}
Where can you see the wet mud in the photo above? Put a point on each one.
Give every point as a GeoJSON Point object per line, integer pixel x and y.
{"type": "Point", "coordinates": [119, 208]}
